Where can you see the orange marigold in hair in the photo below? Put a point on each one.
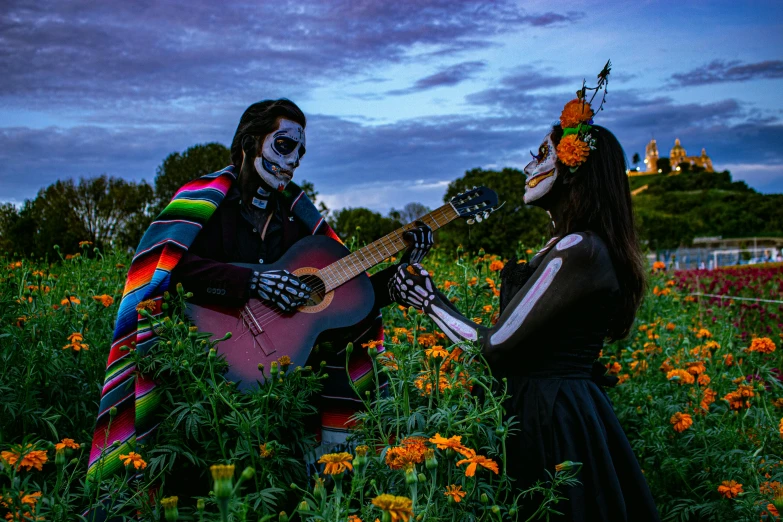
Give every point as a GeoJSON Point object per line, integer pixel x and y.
{"type": "Point", "coordinates": [681, 421]}
{"type": "Point", "coordinates": [730, 488]}
{"type": "Point", "coordinates": [575, 112]}
{"type": "Point", "coordinates": [572, 151]}
{"type": "Point", "coordinates": [762, 345]}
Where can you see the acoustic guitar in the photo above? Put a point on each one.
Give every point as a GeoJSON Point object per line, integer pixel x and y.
{"type": "Point", "coordinates": [342, 294]}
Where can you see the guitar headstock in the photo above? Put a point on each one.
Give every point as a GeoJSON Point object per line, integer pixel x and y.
{"type": "Point", "coordinates": [475, 204]}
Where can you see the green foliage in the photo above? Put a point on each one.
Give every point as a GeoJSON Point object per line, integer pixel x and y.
{"type": "Point", "coordinates": [362, 224]}
{"type": "Point", "coordinates": [179, 168]}
{"type": "Point", "coordinates": [513, 224]}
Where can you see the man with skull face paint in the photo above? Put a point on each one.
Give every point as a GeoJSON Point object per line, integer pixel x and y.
{"type": "Point", "coordinates": [257, 223]}
{"type": "Point", "coordinates": [584, 286]}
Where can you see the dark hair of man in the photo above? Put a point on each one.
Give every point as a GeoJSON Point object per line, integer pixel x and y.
{"type": "Point", "coordinates": [260, 119]}
{"type": "Point", "coordinates": [597, 198]}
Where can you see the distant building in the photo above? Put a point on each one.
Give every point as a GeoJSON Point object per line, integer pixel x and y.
{"type": "Point", "coordinates": [677, 156]}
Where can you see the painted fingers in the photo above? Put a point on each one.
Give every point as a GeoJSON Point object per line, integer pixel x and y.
{"type": "Point", "coordinates": [280, 288]}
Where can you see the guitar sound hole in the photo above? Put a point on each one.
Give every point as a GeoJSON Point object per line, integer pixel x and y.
{"type": "Point", "coordinates": [317, 286]}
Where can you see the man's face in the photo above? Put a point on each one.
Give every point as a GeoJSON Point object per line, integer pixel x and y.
{"type": "Point", "coordinates": [541, 173]}
{"type": "Point", "coordinates": [280, 154]}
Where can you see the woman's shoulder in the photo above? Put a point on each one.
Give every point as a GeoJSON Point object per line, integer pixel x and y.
{"type": "Point", "coordinates": [583, 245]}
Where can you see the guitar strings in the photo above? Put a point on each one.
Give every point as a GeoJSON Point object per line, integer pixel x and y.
{"type": "Point", "coordinates": [273, 314]}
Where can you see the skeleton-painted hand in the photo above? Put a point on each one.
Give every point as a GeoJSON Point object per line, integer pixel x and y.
{"type": "Point", "coordinates": [412, 286]}
{"type": "Point", "coordinates": [281, 288]}
{"type": "Point", "coordinates": [419, 241]}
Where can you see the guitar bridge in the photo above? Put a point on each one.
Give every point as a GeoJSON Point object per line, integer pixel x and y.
{"type": "Point", "coordinates": [251, 322]}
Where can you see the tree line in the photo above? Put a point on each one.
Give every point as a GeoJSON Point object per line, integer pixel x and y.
{"type": "Point", "coordinates": [114, 213]}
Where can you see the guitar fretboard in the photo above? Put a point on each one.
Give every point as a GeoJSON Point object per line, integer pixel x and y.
{"type": "Point", "coordinates": [376, 252]}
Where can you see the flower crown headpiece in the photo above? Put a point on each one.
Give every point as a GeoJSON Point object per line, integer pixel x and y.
{"type": "Point", "coordinates": [577, 120]}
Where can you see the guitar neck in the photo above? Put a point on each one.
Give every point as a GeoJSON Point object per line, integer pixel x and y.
{"type": "Point", "coordinates": [376, 252]}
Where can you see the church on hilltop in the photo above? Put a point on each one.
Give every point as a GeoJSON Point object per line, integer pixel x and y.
{"type": "Point", "coordinates": [676, 156]}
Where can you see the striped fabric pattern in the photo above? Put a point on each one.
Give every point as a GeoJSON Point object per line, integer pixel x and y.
{"type": "Point", "coordinates": [128, 400]}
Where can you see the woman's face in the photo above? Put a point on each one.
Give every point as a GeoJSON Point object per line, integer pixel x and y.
{"type": "Point", "coordinates": [541, 173]}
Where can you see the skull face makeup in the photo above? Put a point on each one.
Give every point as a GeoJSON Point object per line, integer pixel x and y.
{"type": "Point", "coordinates": [280, 154]}
{"type": "Point", "coordinates": [541, 173]}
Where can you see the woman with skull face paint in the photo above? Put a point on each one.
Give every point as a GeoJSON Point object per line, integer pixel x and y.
{"type": "Point", "coordinates": [583, 287]}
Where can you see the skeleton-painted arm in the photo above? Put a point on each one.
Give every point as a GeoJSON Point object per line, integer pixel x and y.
{"type": "Point", "coordinates": [576, 267]}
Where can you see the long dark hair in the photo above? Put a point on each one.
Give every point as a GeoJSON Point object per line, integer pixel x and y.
{"type": "Point", "coordinates": [597, 198]}
{"type": "Point", "coordinates": [260, 119]}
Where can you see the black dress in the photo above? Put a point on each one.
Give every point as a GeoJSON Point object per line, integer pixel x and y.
{"type": "Point", "coordinates": [557, 396]}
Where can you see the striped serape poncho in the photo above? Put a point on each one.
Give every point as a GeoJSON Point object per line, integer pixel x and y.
{"type": "Point", "coordinates": [126, 415]}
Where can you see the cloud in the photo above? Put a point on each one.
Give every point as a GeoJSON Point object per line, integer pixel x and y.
{"type": "Point", "coordinates": [105, 56]}
{"type": "Point", "coordinates": [449, 76]}
{"type": "Point", "coordinates": [721, 71]}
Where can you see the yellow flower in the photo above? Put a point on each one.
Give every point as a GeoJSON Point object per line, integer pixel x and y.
{"type": "Point", "coordinates": [336, 463]}
{"type": "Point", "coordinates": [453, 443]}
{"type": "Point", "coordinates": [477, 460]}
{"type": "Point", "coordinates": [284, 361]}
{"type": "Point", "coordinates": [399, 508]}
{"type": "Point", "coordinates": [31, 458]}
{"type": "Point", "coordinates": [133, 459]}
{"type": "Point", "coordinates": [455, 492]}
{"type": "Point", "coordinates": [681, 376]}
{"type": "Point", "coordinates": [362, 450]}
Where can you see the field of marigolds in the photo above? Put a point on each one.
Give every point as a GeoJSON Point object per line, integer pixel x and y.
{"type": "Point", "coordinates": [699, 396]}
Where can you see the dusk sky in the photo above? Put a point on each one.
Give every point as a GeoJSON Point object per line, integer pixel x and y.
{"type": "Point", "coordinates": [401, 96]}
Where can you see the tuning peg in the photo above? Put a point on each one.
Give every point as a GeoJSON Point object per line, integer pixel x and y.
{"type": "Point", "coordinates": [486, 214]}
{"type": "Point", "coordinates": [471, 221]}
{"type": "Point", "coordinates": [478, 218]}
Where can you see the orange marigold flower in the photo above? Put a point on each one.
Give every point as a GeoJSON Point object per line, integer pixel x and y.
{"type": "Point", "coordinates": [773, 511]}
{"type": "Point", "coordinates": [575, 112]}
{"type": "Point", "coordinates": [572, 151]}
{"type": "Point", "coordinates": [68, 301]}
{"type": "Point", "coordinates": [336, 463]}
{"type": "Point", "coordinates": [473, 281]}
{"type": "Point", "coordinates": [704, 379]}
{"type": "Point", "coordinates": [449, 284]}
{"type": "Point", "coordinates": [658, 265]}
{"type": "Point", "coordinates": [712, 345]}
{"type": "Point", "coordinates": [681, 376]}
{"type": "Point", "coordinates": [728, 359]}
{"type": "Point", "coordinates": [487, 308]}
{"type": "Point", "coordinates": [681, 421]}
{"type": "Point", "coordinates": [455, 493]}
{"type": "Point", "coordinates": [84, 243]}
{"type": "Point", "coordinates": [29, 458]}
{"type": "Point", "coordinates": [614, 368]}
{"type": "Point", "coordinates": [66, 444]}
{"type": "Point", "coordinates": [780, 428]}
{"type": "Point", "coordinates": [398, 508]}
{"type": "Point", "coordinates": [436, 352]}
{"type": "Point", "coordinates": [670, 326]}
{"type": "Point", "coordinates": [452, 443]}
{"type": "Point", "coordinates": [762, 345]}
{"type": "Point", "coordinates": [76, 343]}
{"type": "Point", "coordinates": [133, 459]}
{"type": "Point", "coordinates": [696, 368]}
{"type": "Point", "coordinates": [105, 300]}
{"type": "Point", "coordinates": [284, 361]}
{"type": "Point", "coordinates": [778, 403]}
{"type": "Point", "coordinates": [372, 344]}
{"type": "Point", "coordinates": [478, 460]}
{"type": "Point", "coordinates": [703, 333]}
{"type": "Point", "coordinates": [266, 451]}
{"type": "Point", "coordinates": [730, 488]}
{"type": "Point", "coordinates": [148, 305]}
{"type": "Point", "coordinates": [496, 266]}
{"type": "Point", "coordinates": [354, 518]}
{"type": "Point", "coordinates": [388, 360]}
